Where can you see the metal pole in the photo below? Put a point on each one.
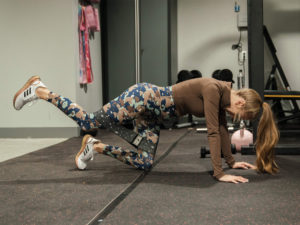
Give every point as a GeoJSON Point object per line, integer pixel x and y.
{"type": "Point", "coordinates": [256, 46]}
{"type": "Point", "coordinates": [137, 41]}
{"type": "Point", "coordinates": [256, 50]}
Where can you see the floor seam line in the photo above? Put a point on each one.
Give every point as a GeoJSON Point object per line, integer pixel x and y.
{"type": "Point", "coordinates": [100, 216]}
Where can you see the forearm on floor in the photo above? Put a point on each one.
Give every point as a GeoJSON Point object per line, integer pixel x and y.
{"type": "Point", "coordinates": [226, 146]}
{"type": "Point", "coordinates": [215, 154]}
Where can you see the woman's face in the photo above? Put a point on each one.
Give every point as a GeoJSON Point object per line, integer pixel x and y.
{"type": "Point", "coordinates": [237, 109]}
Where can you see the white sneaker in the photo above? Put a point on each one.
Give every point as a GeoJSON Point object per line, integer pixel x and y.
{"type": "Point", "coordinates": [86, 153]}
{"type": "Point", "coordinates": [27, 92]}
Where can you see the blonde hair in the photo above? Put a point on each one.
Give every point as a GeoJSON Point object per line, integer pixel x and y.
{"type": "Point", "coordinates": [267, 131]}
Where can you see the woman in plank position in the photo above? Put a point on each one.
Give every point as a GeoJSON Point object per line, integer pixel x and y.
{"type": "Point", "coordinates": [147, 105]}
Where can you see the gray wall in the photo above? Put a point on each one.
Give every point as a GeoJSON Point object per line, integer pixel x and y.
{"type": "Point", "coordinates": [40, 37]}
{"type": "Point", "coordinates": [207, 29]}
{"type": "Point", "coordinates": [154, 42]}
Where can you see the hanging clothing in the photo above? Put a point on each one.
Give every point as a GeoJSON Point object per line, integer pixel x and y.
{"type": "Point", "coordinates": [88, 21]}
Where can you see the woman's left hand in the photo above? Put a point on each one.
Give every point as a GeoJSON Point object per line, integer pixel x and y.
{"type": "Point", "coordinates": [243, 165]}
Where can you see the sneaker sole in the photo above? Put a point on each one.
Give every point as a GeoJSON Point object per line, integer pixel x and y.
{"type": "Point", "coordinates": [28, 83]}
{"type": "Point", "coordinates": [83, 144]}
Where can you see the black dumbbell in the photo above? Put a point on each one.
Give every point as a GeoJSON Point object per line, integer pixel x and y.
{"type": "Point", "coordinates": [204, 151]}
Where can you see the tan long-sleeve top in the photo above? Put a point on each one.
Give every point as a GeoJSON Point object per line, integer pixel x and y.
{"type": "Point", "coordinates": [208, 97]}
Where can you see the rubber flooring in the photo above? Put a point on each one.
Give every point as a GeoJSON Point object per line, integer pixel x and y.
{"type": "Point", "coordinates": [44, 187]}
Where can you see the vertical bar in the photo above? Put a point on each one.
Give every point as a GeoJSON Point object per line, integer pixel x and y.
{"type": "Point", "coordinates": [256, 45]}
{"type": "Point", "coordinates": [172, 41]}
{"type": "Point", "coordinates": [104, 47]}
{"type": "Point", "coordinates": [137, 41]}
{"type": "Point", "coordinates": [256, 49]}
{"type": "Point", "coordinates": [169, 42]}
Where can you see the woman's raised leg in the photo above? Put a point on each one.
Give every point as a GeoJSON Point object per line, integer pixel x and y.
{"type": "Point", "coordinates": [34, 89]}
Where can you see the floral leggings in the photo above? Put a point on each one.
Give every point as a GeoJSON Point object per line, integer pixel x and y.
{"type": "Point", "coordinates": [144, 105]}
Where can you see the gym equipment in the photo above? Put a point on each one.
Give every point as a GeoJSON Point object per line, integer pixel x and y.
{"type": "Point", "coordinates": [204, 129]}
{"type": "Point", "coordinates": [223, 75]}
{"type": "Point", "coordinates": [183, 75]}
{"type": "Point", "coordinates": [276, 96]}
{"type": "Point", "coordinates": [279, 150]}
{"type": "Point", "coordinates": [187, 124]}
{"type": "Point", "coordinates": [271, 90]}
{"type": "Point", "coordinates": [195, 74]}
{"type": "Point", "coordinates": [242, 137]}
{"type": "Point", "coordinates": [204, 151]}
{"type": "Point", "coordinates": [241, 80]}
{"type": "Point", "coordinates": [256, 34]}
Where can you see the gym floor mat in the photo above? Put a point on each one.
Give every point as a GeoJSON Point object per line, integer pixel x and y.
{"type": "Point", "coordinates": [180, 190]}
{"type": "Point", "coordinates": [44, 187]}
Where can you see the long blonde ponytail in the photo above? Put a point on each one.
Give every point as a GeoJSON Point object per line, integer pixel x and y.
{"type": "Point", "coordinates": [267, 138]}
{"type": "Point", "coordinates": [267, 132]}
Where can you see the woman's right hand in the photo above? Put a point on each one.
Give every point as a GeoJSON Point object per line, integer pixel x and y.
{"type": "Point", "coordinates": [233, 179]}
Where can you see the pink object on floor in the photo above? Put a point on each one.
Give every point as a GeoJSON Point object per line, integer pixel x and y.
{"type": "Point", "coordinates": [241, 138]}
